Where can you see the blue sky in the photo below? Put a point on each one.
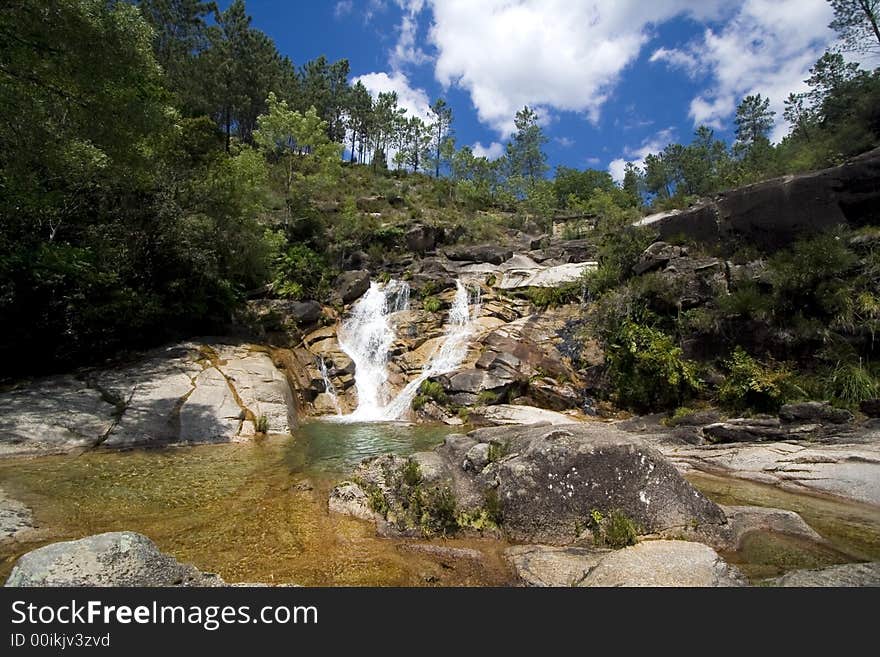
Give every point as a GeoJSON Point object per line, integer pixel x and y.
{"type": "Point", "coordinates": [613, 80]}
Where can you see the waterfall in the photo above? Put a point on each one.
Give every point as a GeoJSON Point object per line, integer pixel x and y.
{"type": "Point", "coordinates": [366, 338]}
{"type": "Point", "coordinates": [329, 388]}
{"type": "Point", "coordinates": [368, 334]}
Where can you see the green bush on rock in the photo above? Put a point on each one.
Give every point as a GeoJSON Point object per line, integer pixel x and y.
{"type": "Point", "coordinates": [648, 370]}
{"type": "Point", "coordinates": [615, 530]}
{"type": "Point", "coordinates": [752, 385]}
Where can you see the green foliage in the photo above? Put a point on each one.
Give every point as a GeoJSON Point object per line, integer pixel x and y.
{"type": "Point", "coordinates": [376, 501]}
{"type": "Point", "coordinates": [262, 424]}
{"type": "Point", "coordinates": [429, 391]}
{"type": "Point", "coordinates": [487, 398]}
{"type": "Point", "coordinates": [647, 370]}
{"type": "Point", "coordinates": [616, 530]}
{"type": "Point", "coordinates": [553, 297]}
{"type": "Point", "coordinates": [746, 300]}
{"type": "Point", "coordinates": [851, 383]}
{"type": "Point", "coordinates": [497, 451]}
{"type": "Point", "coordinates": [431, 304]}
{"type": "Point", "coordinates": [300, 273]}
{"type": "Point", "coordinates": [620, 244]}
{"type": "Point", "coordinates": [525, 156]}
{"type": "Point", "coordinates": [439, 511]}
{"type": "Point", "coordinates": [753, 385]}
{"type": "Point", "coordinates": [493, 506]}
{"type": "Point", "coordinates": [412, 473]}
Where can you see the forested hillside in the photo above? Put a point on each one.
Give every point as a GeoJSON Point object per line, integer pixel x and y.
{"type": "Point", "coordinates": [161, 160]}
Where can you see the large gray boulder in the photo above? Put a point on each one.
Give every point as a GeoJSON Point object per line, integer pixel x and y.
{"type": "Point", "coordinates": [351, 285]}
{"type": "Point", "coordinates": [664, 563]}
{"type": "Point", "coordinates": [480, 253]}
{"type": "Point", "coordinates": [774, 213]}
{"type": "Point", "coordinates": [550, 565]}
{"type": "Point", "coordinates": [111, 559]}
{"type": "Point", "coordinates": [421, 238]}
{"type": "Point", "coordinates": [56, 414]}
{"type": "Point", "coordinates": [553, 478]}
{"type": "Point", "coordinates": [848, 574]}
{"type": "Point", "coordinates": [814, 411]}
{"type": "Point", "coordinates": [542, 483]}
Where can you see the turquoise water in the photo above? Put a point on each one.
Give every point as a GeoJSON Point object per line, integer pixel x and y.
{"type": "Point", "coordinates": [328, 448]}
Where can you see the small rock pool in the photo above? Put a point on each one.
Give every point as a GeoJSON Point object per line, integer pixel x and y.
{"type": "Point", "coordinates": [257, 512]}
{"type": "Point", "coordinates": [253, 511]}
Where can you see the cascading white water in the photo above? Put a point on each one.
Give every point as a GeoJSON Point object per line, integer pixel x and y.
{"type": "Point", "coordinates": [367, 335]}
{"type": "Point", "coordinates": [450, 354]}
{"type": "Point", "coordinates": [329, 388]}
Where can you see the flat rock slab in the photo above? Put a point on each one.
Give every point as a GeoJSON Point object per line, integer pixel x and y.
{"type": "Point", "coordinates": [547, 565]}
{"type": "Point", "coordinates": [664, 563]}
{"type": "Point", "coordinates": [57, 414]}
{"type": "Point", "coordinates": [504, 414]}
{"type": "Point", "coordinates": [187, 393]}
{"type": "Point", "coordinates": [848, 574]}
{"type": "Point", "coordinates": [849, 471]}
{"type": "Point", "coordinates": [538, 276]}
{"type": "Point", "coordinates": [111, 559]}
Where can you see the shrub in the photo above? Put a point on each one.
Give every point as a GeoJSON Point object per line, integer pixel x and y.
{"type": "Point", "coordinates": [850, 384]}
{"type": "Point", "coordinates": [647, 370]}
{"type": "Point", "coordinates": [429, 391]}
{"type": "Point", "coordinates": [431, 304]}
{"type": "Point", "coordinates": [552, 297]}
{"type": "Point", "coordinates": [262, 424]}
{"type": "Point", "coordinates": [438, 511]}
{"type": "Point", "coordinates": [746, 300]}
{"type": "Point", "coordinates": [433, 390]}
{"type": "Point", "coordinates": [809, 277]}
{"type": "Point", "coordinates": [300, 273]}
{"type": "Point", "coordinates": [412, 473]}
{"type": "Point", "coordinates": [493, 507]}
{"type": "Point", "coordinates": [487, 398]}
{"type": "Point", "coordinates": [497, 451]}
{"type": "Point", "coordinates": [616, 530]}
{"type": "Point", "coordinates": [376, 500]}
{"type": "Point", "coordinates": [752, 385]}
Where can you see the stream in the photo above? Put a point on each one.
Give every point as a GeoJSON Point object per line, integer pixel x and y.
{"type": "Point", "coordinates": [257, 511]}
{"type": "Point", "coordinates": [254, 512]}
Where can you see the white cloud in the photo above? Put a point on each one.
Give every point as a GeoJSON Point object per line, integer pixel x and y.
{"type": "Point", "coordinates": [565, 142]}
{"type": "Point", "coordinates": [343, 8]}
{"type": "Point", "coordinates": [491, 152]}
{"type": "Point", "coordinates": [593, 161]}
{"type": "Point", "coordinates": [767, 47]}
{"type": "Point", "coordinates": [373, 7]}
{"type": "Point", "coordinates": [617, 169]}
{"type": "Point", "coordinates": [414, 101]}
{"type": "Point", "coordinates": [650, 146]}
{"type": "Point", "coordinates": [681, 59]}
{"type": "Point", "coordinates": [561, 54]}
{"type": "Point", "coordinates": [405, 50]}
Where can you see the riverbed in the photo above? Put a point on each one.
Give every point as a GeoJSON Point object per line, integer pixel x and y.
{"type": "Point", "coordinates": [254, 512]}
{"type": "Point", "coordinates": [257, 512]}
